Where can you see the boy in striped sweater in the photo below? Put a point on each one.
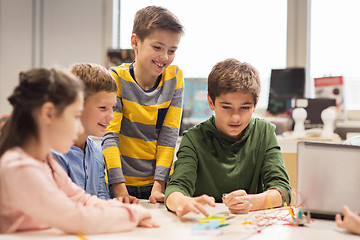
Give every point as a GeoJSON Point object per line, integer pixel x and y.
{"type": "Point", "coordinates": [139, 143]}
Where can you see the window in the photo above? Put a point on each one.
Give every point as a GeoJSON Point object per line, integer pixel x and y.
{"type": "Point", "coordinates": [252, 31]}
{"type": "Point", "coordinates": [335, 40]}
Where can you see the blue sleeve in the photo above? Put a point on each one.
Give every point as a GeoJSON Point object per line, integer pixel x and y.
{"type": "Point", "coordinates": [103, 191]}
{"type": "Point", "coordinates": [61, 160]}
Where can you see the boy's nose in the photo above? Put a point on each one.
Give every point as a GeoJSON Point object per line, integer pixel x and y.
{"type": "Point", "coordinates": [110, 116]}
{"type": "Point", "coordinates": [164, 56]}
{"type": "Point", "coordinates": [236, 116]}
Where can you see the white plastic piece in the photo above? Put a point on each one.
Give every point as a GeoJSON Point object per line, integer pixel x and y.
{"type": "Point", "coordinates": [328, 116]}
{"type": "Point", "coordinates": [299, 115]}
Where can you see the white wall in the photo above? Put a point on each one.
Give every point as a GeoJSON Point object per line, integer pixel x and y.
{"type": "Point", "coordinates": [15, 45]}
{"type": "Point", "coordinates": [48, 33]}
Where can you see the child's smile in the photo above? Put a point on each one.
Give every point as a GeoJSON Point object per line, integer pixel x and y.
{"type": "Point", "coordinates": [159, 64]}
{"type": "Point", "coordinates": [154, 54]}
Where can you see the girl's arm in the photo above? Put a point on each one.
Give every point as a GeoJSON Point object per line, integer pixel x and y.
{"type": "Point", "coordinates": [64, 205]}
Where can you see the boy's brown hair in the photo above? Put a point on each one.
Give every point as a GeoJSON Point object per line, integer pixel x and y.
{"type": "Point", "coordinates": [232, 75]}
{"type": "Point", "coordinates": [95, 77]}
{"type": "Point", "coordinates": [151, 18]}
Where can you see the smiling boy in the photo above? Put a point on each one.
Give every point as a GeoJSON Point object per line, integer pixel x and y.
{"type": "Point", "coordinates": [84, 163]}
{"type": "Point", "coordinates": [139, 143]}
{"type": "Point", "coordinates": [231, 157]}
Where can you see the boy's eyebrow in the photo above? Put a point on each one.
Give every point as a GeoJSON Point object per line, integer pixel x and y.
{"type": "Point", "coordinates": [248, 103]}
{"type": "Point", "coordinates": [245, 103]}
{"type": "Point", "coordinates": [225, 102]}
{"type": "Point", "coordinates": [163, 44]}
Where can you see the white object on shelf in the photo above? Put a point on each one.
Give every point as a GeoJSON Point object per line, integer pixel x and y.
{"type": "Point", "coordinates": [299, 115]}
{"type": "Point", "coordinates": [328, 117]}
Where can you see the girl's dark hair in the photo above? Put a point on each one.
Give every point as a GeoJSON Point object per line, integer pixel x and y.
{"type": "Point", "coordinates": [37, 86]}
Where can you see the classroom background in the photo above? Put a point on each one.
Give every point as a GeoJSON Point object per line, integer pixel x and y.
{"type": "Point", "coordinates": [307, 53]}
{"type": "Point", "coordinates": [269, 34]}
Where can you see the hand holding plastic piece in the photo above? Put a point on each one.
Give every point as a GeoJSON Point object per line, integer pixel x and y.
{"type": "Point", "coordinates": [237, 201]}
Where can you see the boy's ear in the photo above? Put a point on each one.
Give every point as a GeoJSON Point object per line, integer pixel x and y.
{"type": "Point", "coordinates": [134, 41]}
{"type": "Point", "coordinates": [254, 107]}
{"type": "Point", "coordinates": [211, 103]}
{"type": "Point", "coordinates": [47, 112]}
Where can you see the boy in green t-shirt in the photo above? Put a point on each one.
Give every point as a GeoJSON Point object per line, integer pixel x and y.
{"type": "Point", "coordinates": [231, 157]}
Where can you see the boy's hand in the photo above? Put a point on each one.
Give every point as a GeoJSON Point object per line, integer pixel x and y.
{"type": "Point", "coordinates": [194, 204]}
{"type": "Point", "coordinates": [351, 221]}
{"type": "Point", "coordinates": [237, 201]}
{"type": "Point", "coordinates": [156, 196]}
{"type": "Point", "coordinates": [128, 199]}
{"type": "Point", "coordinates": [122, 194]}
{"type": "Point", "coordinates": [157, 192]}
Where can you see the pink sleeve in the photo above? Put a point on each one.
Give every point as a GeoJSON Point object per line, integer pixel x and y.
{"type": "Point", "coordinates": [66, 206]}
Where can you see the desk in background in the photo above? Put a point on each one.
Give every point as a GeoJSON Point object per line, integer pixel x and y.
{"type": "Point", "coordinates": [173, 227]}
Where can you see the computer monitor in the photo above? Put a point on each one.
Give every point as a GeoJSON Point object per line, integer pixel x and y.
{"type": "Point", "coordinates": [285, 84]}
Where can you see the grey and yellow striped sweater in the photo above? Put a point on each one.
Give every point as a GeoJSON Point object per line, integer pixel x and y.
{"type": "Point", "coordinates": [139, 143]}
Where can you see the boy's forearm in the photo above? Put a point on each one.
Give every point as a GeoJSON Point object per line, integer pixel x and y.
{"type": "Point", "coordinates": [119, 189]}
{"type": "Point", "coordinates": [269, 199]}
{"type": "Point", "coordinates": [159, 186]}
{"type": "Point", "coordinates": [173, 201]}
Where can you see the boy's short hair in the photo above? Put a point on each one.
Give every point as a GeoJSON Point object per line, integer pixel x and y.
{"type": "Point", "coordinates": [96, 78]}
{"type": "Point", "coordinates": [232, 75]}
{"type": "Point", "coordinates": [151, 18]}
